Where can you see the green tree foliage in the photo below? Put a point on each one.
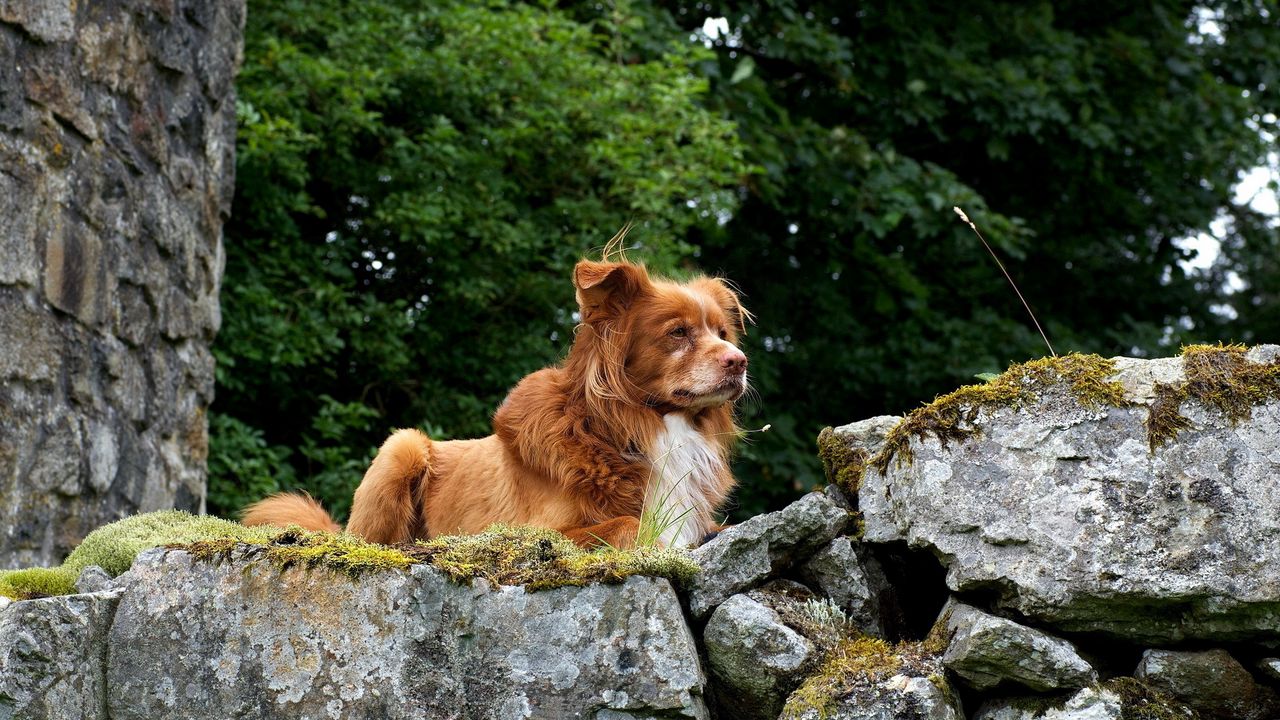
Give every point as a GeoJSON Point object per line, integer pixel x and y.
{"type": "Point", "coordinates": [1084, 140]}
{"type": "Point", "coordinates": [415, 181]}
{"type": "Point", "coordinates": [414, 184]}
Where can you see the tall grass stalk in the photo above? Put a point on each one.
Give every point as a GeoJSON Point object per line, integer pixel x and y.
{"type": "Point", "coordinates": [1000, 265]}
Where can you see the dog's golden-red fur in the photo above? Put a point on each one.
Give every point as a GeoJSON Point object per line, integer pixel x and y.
{"type": "Point", "coordinates": [643, 404]}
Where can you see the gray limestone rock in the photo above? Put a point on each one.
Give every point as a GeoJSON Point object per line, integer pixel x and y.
{"type": "Point", "coordinates": [754, 659]}
{"type": "Point", "coordinates": [240, 638]}
{"type": "Point", "coordinates": [1270, 668]}
{"type": "Point", "coordinates": [1122, 699]}
{"type": "Point", "coordinates": [847, 574]}
{"type": "Point", "coordinates": [1211, 681]}
{"type": "Point", "coordinates": [1067, 514]}
{"type": "Point", "coordinates": [867, 434]}
{"type": "Point", "coordinates": [52, 657]}
{"type": "Point", "coordinates": [748, 554]}
{"type": "Point", "coordinates": [986, 650]}
{"type": "Point", "coordinates": [1087, 704]}
{"type": "Point", "coordinates": [94, 579]}
{"type": "Point", "coordinates": [117, 126]}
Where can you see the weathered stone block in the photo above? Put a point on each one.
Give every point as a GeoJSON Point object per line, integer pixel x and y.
{"type": "Point", "coordinates": [116, 165]}
{"type": "Point", "coordinates": [241, 638]}
{"type": "Point", "coordinates": [52, 657]}
{"type": "Point", "coordinates": [755, 660]}
{"type": "Point", "coordinates": [746, 555]}
{"type": "Point", "coordinates": [986, 651]}
{"type": "Point", "coordinates": [1078, 515]}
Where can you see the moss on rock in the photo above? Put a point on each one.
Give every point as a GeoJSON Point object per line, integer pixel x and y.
{"type": "Point", "coordinates": [1219, 377]}
{"type": "Point", "coordinates": [295, 547]}
{"type": "Point", "coordinates": [113, 547]}
{"type": "Point", "coordinates": [949, 417]}
{"type": "Point", "coordinates": [855, 666]}
{"type": "Point", "coordinates": [1139, 701]}
{"type": "Point", "coordinates": [843, 464]}
{"type": "Point", "coordinates": [536, 558]}
{"type": "Point", "coordinates": [540, 559]}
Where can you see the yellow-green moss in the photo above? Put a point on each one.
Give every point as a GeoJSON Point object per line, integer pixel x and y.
{"type": "Point", "coordinates": [295, 547]}
{"type": "Point", "coordinates": [948, 417]}
{"type": "Point", "coordinates": [857, 663]}
{"type": "Point", "coordinates": [36, 582]}
{"type": "Point", "coordinates": [113, 548]}
{"type": "Point", "coordinates": [843, 464]}
{"type": "Point", "coordinates": [1139, 701]}
{"type": "Point", "coordinates": [540, 559]}
{"type": "Point", "coordinates": [1217, 376]}
{"type": "Point", "coordinates": [534, 557]}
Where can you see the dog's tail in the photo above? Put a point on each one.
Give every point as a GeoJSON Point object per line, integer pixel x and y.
{"type": "Point", "coordinates": [390, 502]}
{"type": "Point", "coordinates": [284, 509]}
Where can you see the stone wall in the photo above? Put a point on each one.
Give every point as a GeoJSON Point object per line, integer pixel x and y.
{"type": "Point", "coordinates": [117, 122]}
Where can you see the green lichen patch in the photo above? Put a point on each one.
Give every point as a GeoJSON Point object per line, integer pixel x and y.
{"type": "Point", "coordinates": [949, 417]}
{"type": "Point", "coordinates": [1139, 701]}
{"type": "Point", "coordinates": [1218, 377]}
{"type": "Point", "coordinates": [541, 559]}
{"type": "Point", "coordinates": [857, 666]}
{"type": "Point", "coordinates": [295, 547]}
{"type": "Point", "coordinates": [113, 547]}
{"type": "Point", "coordinates": [843, 464]}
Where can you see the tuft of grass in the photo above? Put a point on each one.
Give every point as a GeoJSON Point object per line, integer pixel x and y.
{"type": "Point", "coordinates": [541, 559]}
{"type": "Point", "coordinates": [1007, 276]}
{"type": "Point", "coordinates": [1219, 377]}
{"type": "Point", "coordinates": [950, 417]}
{"type": "Point", "coordinates": [113, 547]}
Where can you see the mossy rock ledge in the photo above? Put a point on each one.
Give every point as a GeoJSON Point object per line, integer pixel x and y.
{"type": "Point", "coordinates": [1133, 498]}
{"type": "Point", "coordinates": [189, 638]}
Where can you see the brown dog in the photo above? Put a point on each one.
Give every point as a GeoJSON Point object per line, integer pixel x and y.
{"type": "Point", "coordinates": [638, 416]}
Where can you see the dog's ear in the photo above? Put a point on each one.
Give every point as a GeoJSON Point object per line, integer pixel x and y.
{"type": "Point", "coordinates": [605, 288]}
{"type": "Point", "coordinates": [726, 296]}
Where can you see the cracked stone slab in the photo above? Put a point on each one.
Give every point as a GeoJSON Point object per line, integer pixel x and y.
{"type": "Point", "coordinates": [53, 657]}
{"type": "Point", "coordinates": [746, 555]}
{"type": "Point", "coordinates": [195, 640]}
{"type": "Point", "coordinates": [1066, 515]}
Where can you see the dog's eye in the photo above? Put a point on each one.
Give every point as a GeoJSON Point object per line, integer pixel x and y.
{"type": "Point", "coordinates": [680, 332]}
{"type": "Point", "coordinates": [724, 334]}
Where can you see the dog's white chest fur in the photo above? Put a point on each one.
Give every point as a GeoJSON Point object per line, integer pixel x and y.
{"type": "Point", "coordinates": [685, 470]}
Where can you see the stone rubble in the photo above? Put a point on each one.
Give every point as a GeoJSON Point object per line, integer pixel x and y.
{"type": "Point", "coordinates": [779, 623]}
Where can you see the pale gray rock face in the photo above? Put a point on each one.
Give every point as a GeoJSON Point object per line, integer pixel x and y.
{"type": "Point", "coordinates": [196, 640]}
{"type": "Point", "coordinates": [1104, 702]}
{"type": "Point", "coordinates": [94, 579]}
{"type": "Point", "coordinates": [986, 651]}
{"type": "Point", "coordinates": [1067, 514]}
{"type": "Point", "coordinates": [1088, 704]}
{"type": "Point", "coordinates": [52, 657]}
{"type": "Point", "coordinates": [754, 659]}
{"type": "Point", "coordinates": [847, 574]}
{"type": "Point", "coordinates": [117, 126]}
{"type": "Point", "coordinates": [1270, 668]}
{"type": "Point", "coordinates": [868, 434]}
{"type": "Point", "coordinates": [745, 555]}
{"type": "Point", "coordinates": [1212, 682]}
